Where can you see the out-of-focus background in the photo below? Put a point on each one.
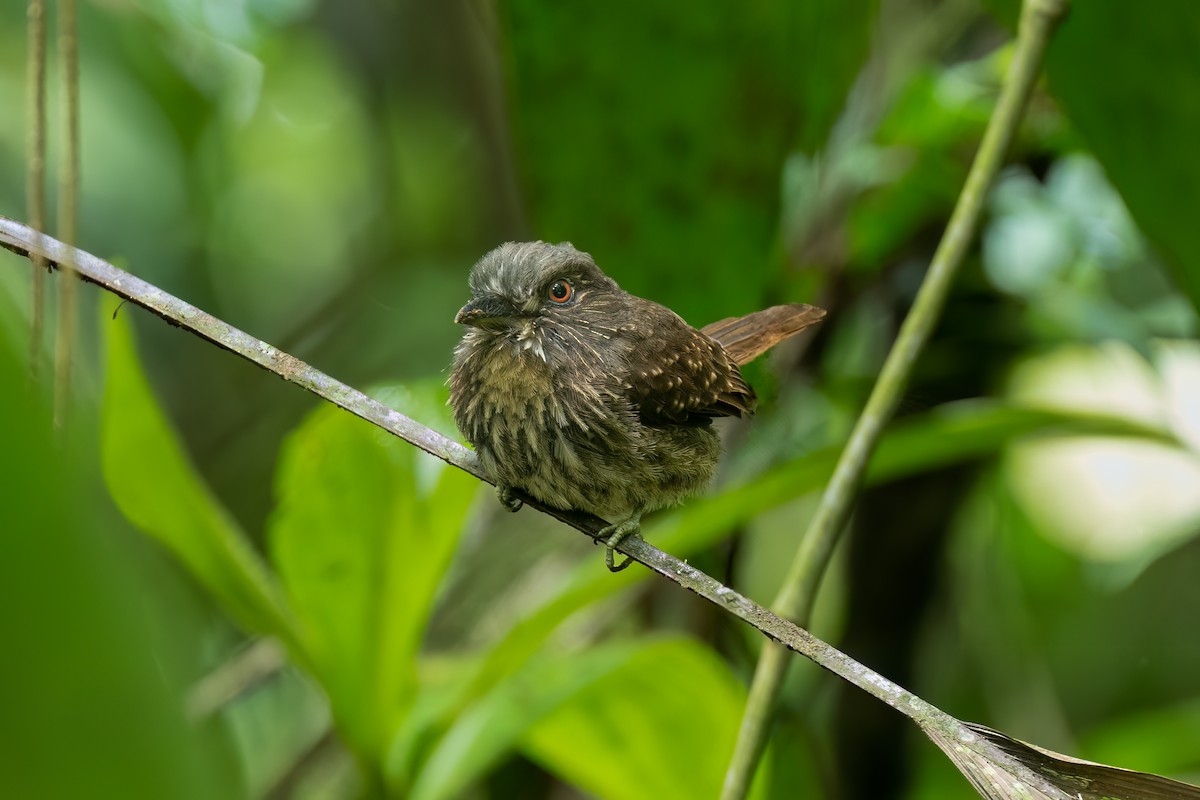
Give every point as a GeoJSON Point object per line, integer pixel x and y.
{"type": "Point", "coordinates": [209, 587]}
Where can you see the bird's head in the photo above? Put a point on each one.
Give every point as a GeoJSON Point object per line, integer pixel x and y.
{"type": "Point", "coordinates": [528, 292]}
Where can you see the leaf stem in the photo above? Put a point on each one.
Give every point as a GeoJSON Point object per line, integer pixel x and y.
{"type": "Point", "coordinates": [795, 599]}
{"type": "Point", "coordinates": [35, 166]}
{"type": "Point", "coordinates": [68, 205]}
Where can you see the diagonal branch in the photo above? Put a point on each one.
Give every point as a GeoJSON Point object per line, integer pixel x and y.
{"type": "Point", "coordinates": [996, 765]}
{"type": "Point", "coordinates": [25, 241]}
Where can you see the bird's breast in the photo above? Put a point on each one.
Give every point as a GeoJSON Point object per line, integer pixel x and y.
{"type": "Point", "coordinates": [563, 429]}
{"type": "Point", "coordinates": [525, 415]}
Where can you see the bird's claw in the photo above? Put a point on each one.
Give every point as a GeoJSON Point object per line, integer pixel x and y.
{"type": "Point", "coordinates": [509, 499]}
{"type": "Point", "coordinates": [613, 535]}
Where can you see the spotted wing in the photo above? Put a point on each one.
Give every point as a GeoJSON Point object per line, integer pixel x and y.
{"type": "Point", "coordinates": [681, 376]}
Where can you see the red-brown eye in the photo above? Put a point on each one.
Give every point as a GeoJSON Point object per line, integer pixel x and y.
{"type": "Point", "coordinates": [561, 292]}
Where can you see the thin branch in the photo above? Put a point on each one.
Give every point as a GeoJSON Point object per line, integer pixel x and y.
{"type": "Point", "coordinates": [23, 240]}
{"type": "Point", "coordinates": [35, 165]}
{"type": "Point", "coordinates": [942, 727]}
{"type": "Point", "coordinates": [795, 600]}
{"type": "Point", "coordinates": [68, 204]}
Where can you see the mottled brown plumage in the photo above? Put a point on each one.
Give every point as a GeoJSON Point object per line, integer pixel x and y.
{"type": "Point", "coordinates": [589, 398]}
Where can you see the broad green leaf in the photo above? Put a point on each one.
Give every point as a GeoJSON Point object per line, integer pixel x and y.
{"type": "Point", "coordinates": [493, 727]}
{"type": "Point", "coordinates": [155, 485]}
{"type": "Point", "coordinates": [363, 532]}
{"type": "Point", "coordinates": [662, 725]}
{"type": "Point", "coordinates": [443, 682]}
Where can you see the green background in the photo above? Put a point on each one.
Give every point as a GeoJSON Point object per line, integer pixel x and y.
{"type": "Point", "coordinates": [212, 588]}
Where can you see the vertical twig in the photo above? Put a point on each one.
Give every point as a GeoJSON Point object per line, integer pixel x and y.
{"type": "Point", "coordinates": [68, 205]}
{"type": "Point", "coordinates": [35, 165]}
{"type": "Point", "coordinates": [1038, 19]}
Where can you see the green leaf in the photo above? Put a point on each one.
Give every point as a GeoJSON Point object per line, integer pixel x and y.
{"type": "Point", "coordinates": [155, 485]}
{"type": "Point", "coordinates": [553, 691]}
{"type": "Point", "coordinates": [364, 530]}
{"type": "Point", "coordinates": [493, 727]}
{"type": "Point", "coordinates": [662, 725]}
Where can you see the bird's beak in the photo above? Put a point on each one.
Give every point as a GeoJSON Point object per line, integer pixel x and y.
{"type": "Point", "coordinates": [487, 311]}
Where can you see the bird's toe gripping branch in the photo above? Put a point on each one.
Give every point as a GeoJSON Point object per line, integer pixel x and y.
{"type": "Point", "coordinates": [508, 498]}
{"type": "Point", "coordinates": [613, 535]}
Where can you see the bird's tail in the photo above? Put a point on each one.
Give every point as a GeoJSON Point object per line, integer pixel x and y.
{"type": "Point", "coordinates": [746, 338]}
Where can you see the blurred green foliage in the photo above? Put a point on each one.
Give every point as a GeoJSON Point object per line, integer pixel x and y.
{"type": "Point", "coordinates": [323, 175]}
{"type": "Point", "coordinates": [1129, 83]}
{"type": "Point", "coordinates": [91, 688]}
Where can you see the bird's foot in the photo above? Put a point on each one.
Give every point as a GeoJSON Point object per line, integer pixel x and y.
{"type": "Point", "coordinates": [508, 498]}
{"type": "Point", "coordinates": [613, 535]}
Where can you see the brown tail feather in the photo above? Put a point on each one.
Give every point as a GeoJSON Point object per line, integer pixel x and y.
{"type": "Point", "coordinates": [746, 338]}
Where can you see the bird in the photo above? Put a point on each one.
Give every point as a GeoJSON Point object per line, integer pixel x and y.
{"type": "Point", "coordinates": [589, 398]}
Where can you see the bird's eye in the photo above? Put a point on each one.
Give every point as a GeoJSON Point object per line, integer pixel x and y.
{"type": "Point", "coordinates": [561, 292]}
